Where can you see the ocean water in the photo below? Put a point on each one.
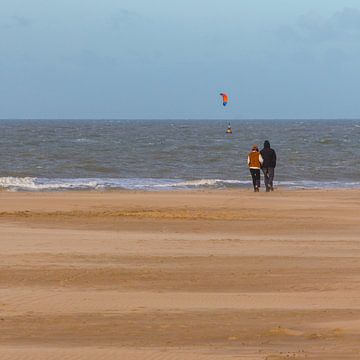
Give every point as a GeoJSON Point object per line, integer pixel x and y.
{"type": "Point", "coordinates": [163, 155]}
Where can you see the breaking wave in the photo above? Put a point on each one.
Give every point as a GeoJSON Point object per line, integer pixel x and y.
{"type": "Point", "coordinates": [57, 184]}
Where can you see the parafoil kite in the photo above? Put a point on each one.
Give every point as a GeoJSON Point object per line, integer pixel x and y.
{"type": "Point", "coordinates": [225, 98]}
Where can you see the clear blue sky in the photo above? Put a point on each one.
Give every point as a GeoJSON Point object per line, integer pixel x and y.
{"type": "Point", "coordinates": [170, 59]}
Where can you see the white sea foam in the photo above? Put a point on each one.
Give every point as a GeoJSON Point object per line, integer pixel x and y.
{"type": "Point", "coordinates": [45, 184]}
{"type": "Point", "coordinates": [308, 184]}
{"type": "Point", "coordinates": [206, 183]}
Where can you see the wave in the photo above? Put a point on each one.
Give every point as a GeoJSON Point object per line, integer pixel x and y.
{"type": "Point", "coordinates": [43, 184]}
{"type": "Point", "coordinates": [46, 184]}
{"type": "Point", "coordinates": [58, 184]}
{"type": "Point", "coordinates": [310, 184]}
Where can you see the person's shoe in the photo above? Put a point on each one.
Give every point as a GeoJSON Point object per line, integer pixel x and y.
{"type": "Point", "coordinates": [257, 189]}
{"type": "Point", "coordinates": [271, 188]}
{"type": "Point", "coordinates": [267, 189]}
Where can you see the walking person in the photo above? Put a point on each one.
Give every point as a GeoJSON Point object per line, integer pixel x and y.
{"type": "Point", "coordinates": [269, 164]}
{"type": "Point", "coordinates": [255, 161]}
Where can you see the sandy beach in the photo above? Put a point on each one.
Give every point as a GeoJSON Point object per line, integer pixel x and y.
{"type": "Point", "coordinates": [220, 274]}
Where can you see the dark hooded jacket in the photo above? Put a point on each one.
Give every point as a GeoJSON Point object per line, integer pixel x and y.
{"type": "Point", "coordinates": [269, 155]}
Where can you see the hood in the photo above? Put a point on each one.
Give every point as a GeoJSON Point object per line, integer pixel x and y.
{"type": "Point", "coordinates": [266, 144]}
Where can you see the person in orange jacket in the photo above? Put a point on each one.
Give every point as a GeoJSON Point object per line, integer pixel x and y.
{"type": "Point", "coordinates": [255, 162]}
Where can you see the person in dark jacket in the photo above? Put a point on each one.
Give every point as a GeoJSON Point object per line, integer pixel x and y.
{"type": "Point", "coordinates": [268, 167]}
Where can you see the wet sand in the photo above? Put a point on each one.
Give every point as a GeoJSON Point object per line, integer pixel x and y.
{"type": "Point", "coordinates": [180, 275]}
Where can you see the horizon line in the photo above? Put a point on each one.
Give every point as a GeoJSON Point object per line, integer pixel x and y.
{"type": "Point", "coordinates": [182, 119]}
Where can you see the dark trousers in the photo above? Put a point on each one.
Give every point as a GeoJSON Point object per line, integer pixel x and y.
{"type": "Point", "coordinates": [268, 176]}
{"type": "Point", "coordinates": [255, 174]}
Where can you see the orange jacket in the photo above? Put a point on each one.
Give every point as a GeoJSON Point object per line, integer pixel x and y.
{"type": "Point", "coordinates": [255, 160]}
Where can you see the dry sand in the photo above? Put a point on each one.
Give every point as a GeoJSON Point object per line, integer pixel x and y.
{"type": "Point", "coordinates": [180, 275]}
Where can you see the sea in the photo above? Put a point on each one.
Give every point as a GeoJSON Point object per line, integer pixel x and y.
{"type": "Point", "coordinates": [59, 155]}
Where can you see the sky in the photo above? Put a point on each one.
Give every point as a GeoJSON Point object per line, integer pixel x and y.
{"type": "Point", "coordinates": [161, 59]}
